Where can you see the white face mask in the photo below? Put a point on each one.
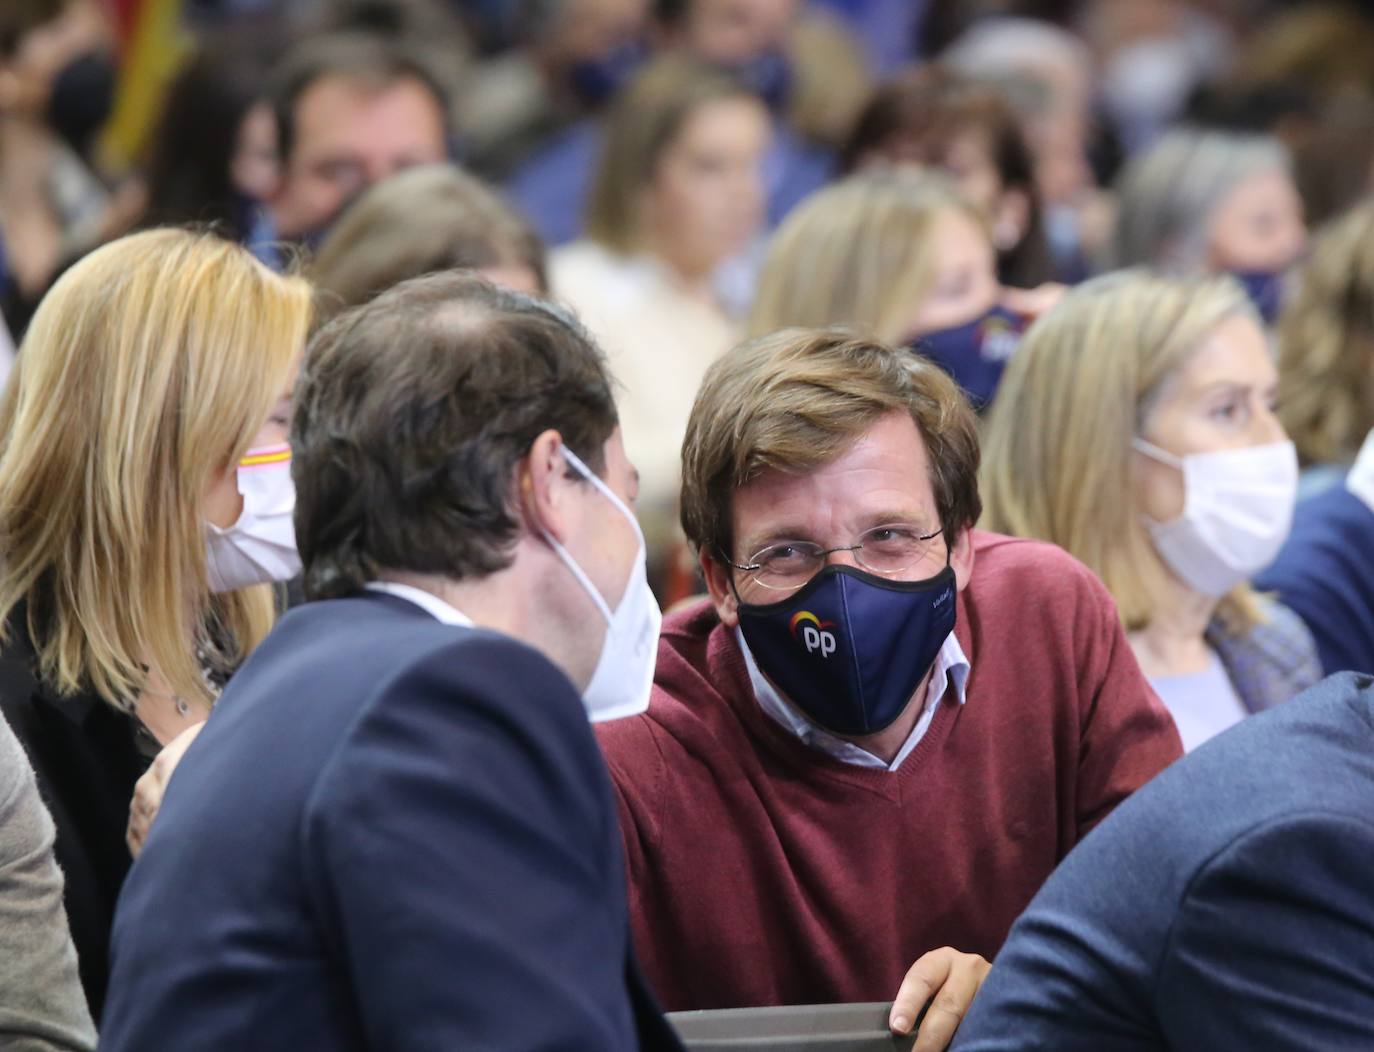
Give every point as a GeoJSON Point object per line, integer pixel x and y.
{"type": "Point", "coordinates": [624, 673]}
{"type": "Point", "coordinates": [1237, 511]}
{"type": "Point", "coordinates": [261, 546]}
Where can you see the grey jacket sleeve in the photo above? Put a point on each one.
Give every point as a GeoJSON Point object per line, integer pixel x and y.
{"type": "Point", "coordinates": [42, 1006]}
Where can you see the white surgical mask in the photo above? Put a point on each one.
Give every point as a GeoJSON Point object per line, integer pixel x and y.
{"type": "Point", "coordinates": [1237, 511]}
{"type": "Point", "coordinates": [624, 673]}
{"type": "Point", "coordinates": [261, 546]}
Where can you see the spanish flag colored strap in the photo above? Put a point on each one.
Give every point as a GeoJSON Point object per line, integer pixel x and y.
{"type": "Point", "coordinates": [266, 456]}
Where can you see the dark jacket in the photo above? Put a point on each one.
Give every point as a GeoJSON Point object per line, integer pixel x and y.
{"type": "Point", "coordinates": [392, 833]}
{"type": "Point", "coordinates": [1228, 905]}
{"type": "Point", "coordinates": [1326, 574]}
{"type": "Point", "coordinates": [86, 759]}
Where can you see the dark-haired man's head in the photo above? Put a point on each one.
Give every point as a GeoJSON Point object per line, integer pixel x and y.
{"type": "Point", "coordinates": [350, 111]}
{"type": "Point", "coordinates": [463, 438]}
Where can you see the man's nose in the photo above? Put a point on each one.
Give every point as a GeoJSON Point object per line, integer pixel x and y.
{"type": "Point", "coordinates": [843, 557]}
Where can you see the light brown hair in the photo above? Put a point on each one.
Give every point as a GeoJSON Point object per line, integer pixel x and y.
{"type": "Point", "coordinates": [425, 219]}
{"type": "Point", "coordinates": [858, 253]}
{"type": "Point", "coordinates": [797, 399]}
{"type": "Point", "coordinates": [643, 122]}
{"type": "Point", "coordinates": [147, 370]}
{"type": "Point", "coordinates": [1326, 344]}
{"type": "Point", "coordinates": [1059, 464]}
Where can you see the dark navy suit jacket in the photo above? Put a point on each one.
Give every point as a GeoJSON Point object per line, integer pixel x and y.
{"type": "Point", "coordinates": [1326, 574]}
{"type": "Point", "coordinates": [393, 833]}
{"type": "Point", "coordinates": [1227, 905]}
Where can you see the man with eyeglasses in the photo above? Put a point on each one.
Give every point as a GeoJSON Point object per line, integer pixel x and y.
{"type": "Point", "coordinates": [884, 730]}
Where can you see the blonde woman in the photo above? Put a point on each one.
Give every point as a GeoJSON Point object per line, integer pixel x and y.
{"type": "Point", "coordinates": [678, 192]}
{"type": "Point", "coordinates": [1212, 202]}
{"type": "Point", "coordinates": [1136, 430]}
{"type": "Point", "coordinates": [1326, 350]}
{"type": "Point", "coordinates": [147, 373]}
{"type": "Point", "coordinates": [435, 217]}
{"type": "Point", "coordinates": [901, 256]}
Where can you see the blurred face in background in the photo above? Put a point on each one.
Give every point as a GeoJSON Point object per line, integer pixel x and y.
{"type": "Point", "coordinates": [253, 167]}
{"type": "Point", "coordinates": [731, 32]}
{"type": "Point", "coordinates": [1258, 226]}
{"type": "Point", "coordinates": [1221, 398]}
{"type": "Point", "coordinates": [1058, 139]}
{"type": "Point", "coordinates": [350, 134]}
{"type": "Point", "coordinates": [594, 47]}
{"type": "Point", "coordinates": [964, 284]}
{"type": "Point", "coordinates": [968, 159]}
{"type": "Point", "coordinates": [28, 76]}
{"type": "Point", "coordinates": [706, 197]}
{"type": "Point", "coordinates": [591, 29]}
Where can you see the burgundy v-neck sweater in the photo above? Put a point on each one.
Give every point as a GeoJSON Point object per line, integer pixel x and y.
{"type": "Point", "coordinates": [765, 872]}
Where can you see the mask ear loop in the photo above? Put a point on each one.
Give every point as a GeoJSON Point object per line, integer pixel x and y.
{"type": "Point", "coordinates": [566, 556]}
{"type": "Point", "coordinates": [1159, 456]}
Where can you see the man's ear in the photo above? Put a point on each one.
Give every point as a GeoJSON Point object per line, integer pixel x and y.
{"type": "Point", "coordinates": [961, 558]}
{"type": "Point", "coordinates": [717, 576]}
{"type": "Point", "coordinates": [544, 490]}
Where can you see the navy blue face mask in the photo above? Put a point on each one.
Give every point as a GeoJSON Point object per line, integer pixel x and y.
{"type": "Point", "coordinates": [1265, 290]}
{"type": "Point", "coordinates": [768, 75]}
{"type": "Point", "coordinates": [849, 648]}
{"type": "Point", "coordinates": [594, 81]}
{"type": "Point", "coordinates": [976, 352]}
{"type": "Point", "coordinates": [82, 99]}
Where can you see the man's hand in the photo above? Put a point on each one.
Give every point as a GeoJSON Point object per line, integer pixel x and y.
{"type": "Point", "coordinates": [148, 789]}
{"type": "Point", "coordinates": [949, 977]}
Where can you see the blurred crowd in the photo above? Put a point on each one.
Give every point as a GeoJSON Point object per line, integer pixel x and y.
{"type": "Point", "coordinates": [644, 160]}
{"type": "Point", "coordinates": [1137, 234]}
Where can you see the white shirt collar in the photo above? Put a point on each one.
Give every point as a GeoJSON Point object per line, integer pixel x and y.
{"type": "Point", "coordinates": [427, 601]}
{"type": "Point", "coordinates": [951, 668]}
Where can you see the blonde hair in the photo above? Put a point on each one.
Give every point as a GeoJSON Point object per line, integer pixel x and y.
{"type": "Point", "coordinates": [795, 400]}
{"type": "Point", "coordinates": [147, 370]}
{"type": "Point", "coordinates": [1073, 398]}
{"type": "Point", "coordinates": [858, 253]}
{"type": "Point", "coordinates": [643, 123]}
{"type": "Point", "coordinates": [1326, 344]}
{"type": "Point", "coordinates": [425, 219]}
{"type": "Point", "coordinates": [1167, 195]}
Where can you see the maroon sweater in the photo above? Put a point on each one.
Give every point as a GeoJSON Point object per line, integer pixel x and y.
{"type": "Point", "coordinates": [764, 872]}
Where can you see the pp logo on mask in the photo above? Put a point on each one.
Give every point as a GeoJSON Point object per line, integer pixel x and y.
{"type": "Point", "coordinates": [814, 633]}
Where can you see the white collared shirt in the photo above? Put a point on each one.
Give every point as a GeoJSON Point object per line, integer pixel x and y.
{"type": "Point", "coordinates": [951, 668]}
{"type": "Point", "coordinates": [427, 601]}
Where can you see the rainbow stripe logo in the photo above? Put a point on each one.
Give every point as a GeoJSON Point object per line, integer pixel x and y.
{"type": "Point", "coordinates": [806, 615]}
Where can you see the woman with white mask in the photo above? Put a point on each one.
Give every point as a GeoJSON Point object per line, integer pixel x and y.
{"type": "Point", "coordinates": [1136, 430]}
{"type": "Point", "coordinates": [133, 528]}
